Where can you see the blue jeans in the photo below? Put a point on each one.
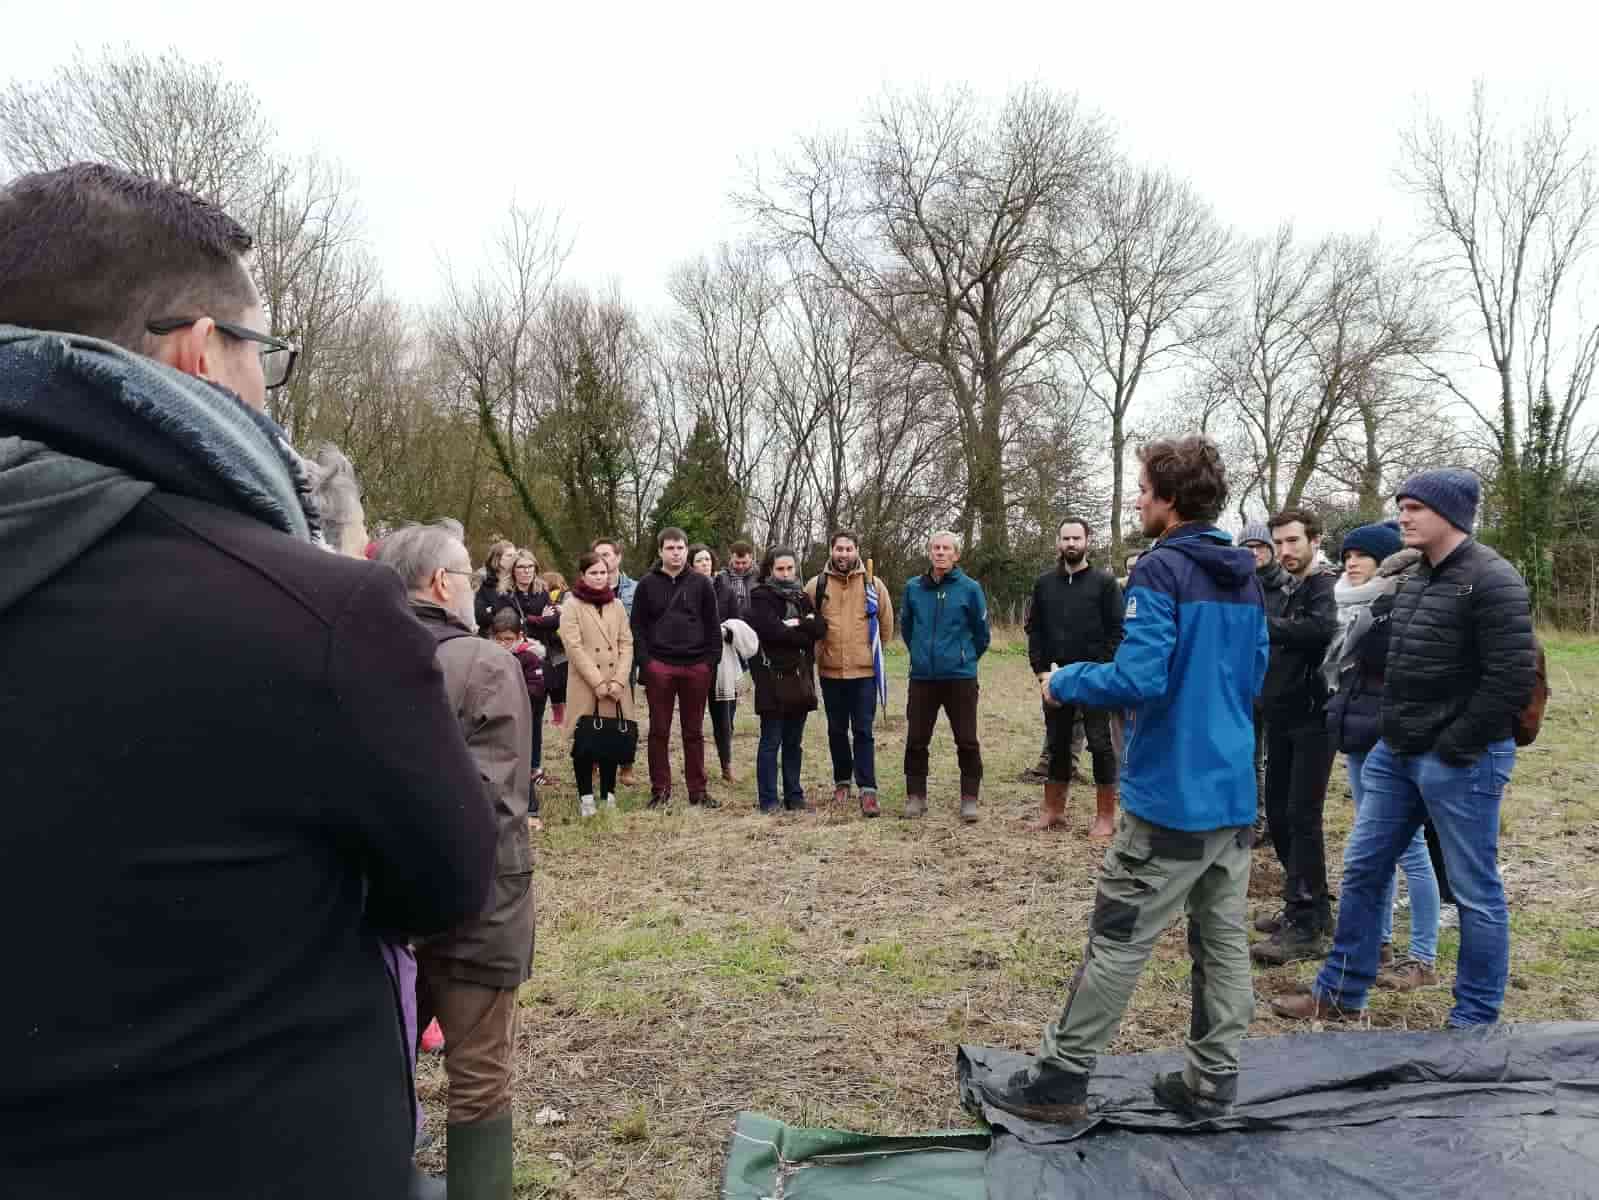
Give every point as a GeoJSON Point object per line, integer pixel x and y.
{"type": "Point", "coordinates": [1419, 880]}
{"type": "Point", "coordinates": [1399, 791]}
{"type": "Point", "coordinates": [788, 735]}
{"type": "Point", "coordinates": [851, 709]}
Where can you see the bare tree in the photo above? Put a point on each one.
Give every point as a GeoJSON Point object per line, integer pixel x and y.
{"type": "Point", "coordinates": [1162, 292]}
{"type": "Point", "coordinates": [1512, 216]}
{"type": "Point", "coordinates": [161, 116]}
{"type": "Point", "coordinates": [961, 231]}
{"type": "Point", "coordinates": [487, 329]}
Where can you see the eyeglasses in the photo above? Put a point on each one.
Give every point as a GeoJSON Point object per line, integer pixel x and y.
{"type": "Point", "coordinates": [277, 355]}
{"type": "Point", "coordinates": [453, 571]}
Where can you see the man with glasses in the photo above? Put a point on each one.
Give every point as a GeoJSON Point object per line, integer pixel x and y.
{"type": "Point", "coordinates": [216, 814]}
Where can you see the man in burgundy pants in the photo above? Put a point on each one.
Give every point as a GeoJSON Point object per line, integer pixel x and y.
{"type": "Point", "coordinates": [678, 639]}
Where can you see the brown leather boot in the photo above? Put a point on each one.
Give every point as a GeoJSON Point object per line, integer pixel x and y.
{"type": "Point", "coordinates": [1104, 813]}
{"type": "Point", "coordinates": [1053, 814]}
{"type": "Point", "coordinates": [1307, 1006]}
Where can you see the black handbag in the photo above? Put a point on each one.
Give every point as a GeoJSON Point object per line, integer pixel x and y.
{"type": "Point", "coordinates": [793, 687]}
{"type": "Point", "coordinates": [605, 739]}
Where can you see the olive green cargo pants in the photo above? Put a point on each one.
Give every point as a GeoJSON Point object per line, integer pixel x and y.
{"type": "Point", "coordinates": [1150, 875]}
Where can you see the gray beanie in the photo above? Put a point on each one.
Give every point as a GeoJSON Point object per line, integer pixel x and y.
{"type": "Point", "coordinates": [1451, 492]}
{"type": "Point", "coordinates": [1256, 531]}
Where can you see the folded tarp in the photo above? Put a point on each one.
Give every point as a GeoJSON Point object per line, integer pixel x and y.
{"type": "Point", "coordinates": [1496, 1111]}
{"type": "Point", "coordinates": [1499, 1111]}
{"type": "Point", "coordinates": [767, 1160]}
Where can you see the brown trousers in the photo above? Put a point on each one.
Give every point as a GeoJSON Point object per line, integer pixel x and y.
{"type": "Point", "coordinates": [479, 1025]}
{"type": "Point", "coordinates": [958, 698]}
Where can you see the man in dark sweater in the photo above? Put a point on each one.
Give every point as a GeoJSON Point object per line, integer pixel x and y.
{"type": "Point", "coordinates": [1299, 749]}
{"type": "Point", "coordinates": [678, 638]}
{"type": "Point", "coordinates": [217, 816]}
{"type": "Point", "coordinates": [1075, 616]}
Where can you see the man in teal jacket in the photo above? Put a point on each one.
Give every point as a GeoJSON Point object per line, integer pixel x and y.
{"type": "Point", "coordinates": [1189, 668]}
{"type": "Point", "coordinates": [944, 620]}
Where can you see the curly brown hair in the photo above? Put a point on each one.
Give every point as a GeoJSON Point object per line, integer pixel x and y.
{"type": "Point", "coordinates": [1187, 471]}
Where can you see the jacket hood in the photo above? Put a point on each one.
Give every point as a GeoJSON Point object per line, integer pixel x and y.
{"type": "Point", "coordinates": [53, 507]}
{"type": "Point", "coordinates": [88, 429]}
{"type": "Point", "coordinates": [1213, 552]}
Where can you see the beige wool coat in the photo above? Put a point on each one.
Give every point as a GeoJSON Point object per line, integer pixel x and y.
{"type": "Point", "coordinates": [599, 647]}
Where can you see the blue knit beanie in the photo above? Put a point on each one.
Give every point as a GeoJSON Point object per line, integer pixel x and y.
{"type": "Point", "coordinates": [1451, 492]}
{"type": "Point", "coordinates": [1379, 541]}
{"type": "Point", "coordinates": [1255, 531]}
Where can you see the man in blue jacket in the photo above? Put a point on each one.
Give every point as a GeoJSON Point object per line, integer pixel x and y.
{"type": "Point", "coordinates": [1189, 668]}
{"type": "Point", "coordinates": [944, 619]}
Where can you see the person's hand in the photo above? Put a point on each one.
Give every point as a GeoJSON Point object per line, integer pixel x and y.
{"type": "Point", "coordinates": [792, 622]}
{"type": "Point", "coordinates": [1043, 677]}
{"type": "Point", "coordinates": [550, 610]}
{"type": "Point", "coordinates": [1046, 695]}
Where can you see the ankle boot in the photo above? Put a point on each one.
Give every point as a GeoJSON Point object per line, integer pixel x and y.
{"type": "Point", "coordinates": [1054, 810]}
{"type": "Point", "coordinates": [1104, 813]}
{"type": "Point", "coordinates": [479, 1157]}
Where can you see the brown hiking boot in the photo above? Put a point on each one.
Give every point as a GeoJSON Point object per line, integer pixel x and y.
{"type": "Point", "coordinates": [1104, 813]}
{"type": "Point", "coordinates": [840, 794]}
{"type": "Point", "coordinates": [915, 806]}
{"type": "Point", "coordinates": [869, 803]}
{"type": "Point", "coordinates": [728, 776]}
{"type": "Point", "coordinates": [1310, 1007]}
{"type": "Point", "coordinates": [1407, 975]}
{"type": "Point", "coordinates": [626, 778]}
{"type": "Point", "coordinates": [1385, 955]}
{"type": "Point", "coordinates": [1053, 814]}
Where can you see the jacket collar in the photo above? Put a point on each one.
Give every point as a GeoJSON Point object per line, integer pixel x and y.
{"type": "Point", "coordinates": [443, 624]}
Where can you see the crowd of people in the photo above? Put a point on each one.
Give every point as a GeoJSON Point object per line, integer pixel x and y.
{"type": "Point", "coordinates": [324, 768]}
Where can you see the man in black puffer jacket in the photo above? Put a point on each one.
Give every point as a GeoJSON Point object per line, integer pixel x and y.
{"type": "Point", "coordinates": [1461, 665]}
{"type": "Point", "coordinates": [1299, 750]}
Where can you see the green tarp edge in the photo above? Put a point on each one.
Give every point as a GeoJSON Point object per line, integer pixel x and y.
{"type": "Point", "coordinates": [768, 1160]}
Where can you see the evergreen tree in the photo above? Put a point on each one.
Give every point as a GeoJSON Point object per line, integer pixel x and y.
{"type": "Point", "coordinates": [701, 498]}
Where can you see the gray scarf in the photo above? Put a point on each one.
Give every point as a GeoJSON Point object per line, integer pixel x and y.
{"type": "Point", "coordinates": [1354, 613]}
{"type": "Point", "coordinates": [88, 429]}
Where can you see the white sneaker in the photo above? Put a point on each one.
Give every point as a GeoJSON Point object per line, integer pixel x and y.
{"type": "Point", "coordinates": [610, 802]}
{"type": "Point", "coordinates": [585, 806]}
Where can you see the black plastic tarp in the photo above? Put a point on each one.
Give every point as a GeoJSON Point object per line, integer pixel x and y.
{"type": "Point", "coordinates": [1506, 1111]}
{"type": "Point", "coordinates": [1498, 1111]}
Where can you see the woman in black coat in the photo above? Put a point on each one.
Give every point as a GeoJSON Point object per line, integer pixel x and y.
{"type": "Point", "coordinates": [782, 616]}
{"type": "Point", "coordinates": [540, 621]}
{"type": "Point", "coordinates": [1374, 564]}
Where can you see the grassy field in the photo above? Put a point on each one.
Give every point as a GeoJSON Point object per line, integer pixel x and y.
{"type": "Point", "coordinates": [822, 969]}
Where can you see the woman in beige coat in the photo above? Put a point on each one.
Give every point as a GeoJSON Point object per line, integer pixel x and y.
{"type": "Point", "coordinates": [599, 649]}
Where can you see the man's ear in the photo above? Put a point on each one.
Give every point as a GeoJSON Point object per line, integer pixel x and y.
{"type": "Point", "coordinates": [188, 349]}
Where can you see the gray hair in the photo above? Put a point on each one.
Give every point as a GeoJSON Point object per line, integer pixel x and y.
{"type": "Point", "coordinates": [954, 538]}
{"type": "Point", "coordinates": [455, 527]}
{"type": "Point", "coordinates": [337, 491]}
{"type": "Point", "coordinates": [417, 551]}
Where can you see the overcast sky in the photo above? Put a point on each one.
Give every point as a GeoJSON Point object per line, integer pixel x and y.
{"type": "Point", "coordinates": [634, 120]}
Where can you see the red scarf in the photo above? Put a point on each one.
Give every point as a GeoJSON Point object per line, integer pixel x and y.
{"type": "Point", "coordinates": [599, 599]}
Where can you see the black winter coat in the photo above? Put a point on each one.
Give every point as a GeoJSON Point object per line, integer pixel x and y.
{"type": "Point", "coordinates": [1295, 694]}
{"type": "Point", "coordinates": [1274, 583]}
{"type": "Point", "coordinates": [1073, 618]}
{"type": "Point", "coordinates": [212, 815]}
{"type": "Point", "coordinates": [784, 648]}
{"type": "Point", "coordinates": [1461, 656]}
{"type": "Point", "coordinates": [1354, 712]}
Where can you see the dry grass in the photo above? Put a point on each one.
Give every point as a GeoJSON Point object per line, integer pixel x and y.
{"type": "Point", "coordinates": [822, 969]}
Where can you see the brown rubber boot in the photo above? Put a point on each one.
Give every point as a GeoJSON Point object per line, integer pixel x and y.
{"type": "Point", "coordinates": [1104, 813]}
{"type": "Point", "coordinates": [1053, 814]}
